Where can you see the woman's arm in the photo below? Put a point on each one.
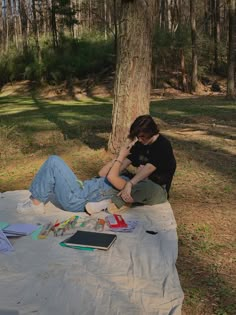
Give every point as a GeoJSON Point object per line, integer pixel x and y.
{"type": "Point", "coordinates": [143, 173]}
{"type": "Point", "coordinates": [106, 168]}
{"type": "Point", "coordinates": [113, 175]}
{"type": "Point", "coordinates": [119, 164]}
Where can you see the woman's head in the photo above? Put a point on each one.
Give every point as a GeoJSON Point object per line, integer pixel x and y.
{"type": "Point", "coordinates": [144, 127]}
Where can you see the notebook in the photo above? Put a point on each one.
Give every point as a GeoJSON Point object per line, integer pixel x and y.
{"type": "Point", "coordinates": [91, 239]}
{"type": "Point", "coordinates": [20, 229]}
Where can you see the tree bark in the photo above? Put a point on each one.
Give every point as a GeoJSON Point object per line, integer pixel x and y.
{"type": "Point", "coordinates": [54, 24]}
{"type": "Point", "coordinates": [231, 50]}
{"type": "Point", "coordinates": [194, 46]}
{"type": "Point", "coordinates": [24, 24]}
{"type": "Point", "coordinates": [1, 26]}
{"type": "Point", "coordinates": [15, 22]}
{"type": "Point", "coordinates": [35, 29]}
{"type": "Point", "coordinates": [133, 71]}
{"type": "Point", "coordinates": [216, 33]}
{"type": "Point", "coordinates": [115, 25]}
{"type": "Point", "coordinates": [183, 72]}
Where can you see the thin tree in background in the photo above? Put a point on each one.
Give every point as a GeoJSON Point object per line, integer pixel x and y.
{"type": "Point", "coordinates": [35, 28]}
{"type": "Point", "coordinates": [24, 25]}
{"type": "Point", "coordinates": [216, 33]}
{"type": "Point", "coordinates": [1, 25]}
{"type": "Point", "coordinates": [231, 50]}
{"type": "Point", "coordinates": [194, 78]}
{"type": "Point", "coordinates": [181, 51]}
{"type": "Point", "coordinates": [133, 71]}
{"type": "Point", "coordinates": [54, 24]}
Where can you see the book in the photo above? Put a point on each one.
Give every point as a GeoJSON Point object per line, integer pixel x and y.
{"type": "Point", "coordinates": [20, 229]}
{"type": "Point", "coordinates": [91, 239]}
{"type": "Point", "coordinates": [116, 221]}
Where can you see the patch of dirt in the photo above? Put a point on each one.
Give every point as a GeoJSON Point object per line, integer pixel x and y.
{"type": "Point", "coordinates": [90, 87]}
{"type": "Point", "coordinates": [16, 88]}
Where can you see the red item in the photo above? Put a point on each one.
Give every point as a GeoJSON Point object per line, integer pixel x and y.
{"type": "Point", "coordinates": [116, 221]}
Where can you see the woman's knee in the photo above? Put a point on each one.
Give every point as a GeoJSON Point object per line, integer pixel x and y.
{"type": "Point", "coordinates": [149, 193]}
{"type": "Point", "coordinates": [55, 159]}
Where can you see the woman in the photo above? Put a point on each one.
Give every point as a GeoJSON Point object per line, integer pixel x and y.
{"type": "Point", "coordinates": [153, 156]}
{"type": "Point", "coordinates": [149, 151]}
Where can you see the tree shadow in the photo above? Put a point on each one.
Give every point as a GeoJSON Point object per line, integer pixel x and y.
{"type": "Point", "coordinates": [86, 125]}
{"type": "Point", "coordinates": [89, 123]}
{"type": "Point", "coordinates": [218, 160]}
{"type": "Point", "coordinates": [86, 122]}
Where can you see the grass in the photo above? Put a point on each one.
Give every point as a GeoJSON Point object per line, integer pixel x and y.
{"type": "Point", "coordinates": [202, 131]}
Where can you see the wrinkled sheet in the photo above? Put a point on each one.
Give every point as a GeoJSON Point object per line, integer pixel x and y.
{"type": "Point", "coordinates": [136, 276]}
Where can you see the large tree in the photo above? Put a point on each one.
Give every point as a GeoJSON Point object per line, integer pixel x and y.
{"type": "Point", "coordinates": [133, 68]}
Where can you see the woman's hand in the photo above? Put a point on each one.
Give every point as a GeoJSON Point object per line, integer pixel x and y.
{"type": "Point", "coordinates": [125, 150]}
{"type": "Point", "coordinates": [125, 193]}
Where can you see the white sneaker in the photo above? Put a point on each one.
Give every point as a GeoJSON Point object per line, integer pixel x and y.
{"type": "Point", "coordinates": [96, 207]}
{"type": "Point", "coordinates": [27, 207]}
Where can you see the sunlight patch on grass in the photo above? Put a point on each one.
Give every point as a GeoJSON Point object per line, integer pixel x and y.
{"type": "Point", "coordinates": [229, 106]}
{"type": "Point", "coordinates": [82, 102]}
{"type": "Point", "coordinates": [176, 112]}
{"type": "Point", "coordinates": [12, 109]}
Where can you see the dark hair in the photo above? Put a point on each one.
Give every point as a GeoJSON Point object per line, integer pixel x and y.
{"type": "Point", "coordinates": [145, 124]}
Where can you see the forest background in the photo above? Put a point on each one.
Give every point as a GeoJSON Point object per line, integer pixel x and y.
{"type": "Point", "coordinates": [57, 70]}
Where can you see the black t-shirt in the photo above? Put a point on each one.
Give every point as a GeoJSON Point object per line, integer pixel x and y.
{"type": "Point", "coordinates": [160, 154]}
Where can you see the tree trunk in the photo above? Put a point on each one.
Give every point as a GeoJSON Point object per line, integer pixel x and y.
{"type": "Point", "coordinates": [169, 22]}
{"type": "Point", "coordinates": [183, 72]}
{"type": "Point", "coordinates": [8, 24]}
{"type": "Point", "coordinates": [54, 25]}
{"type": "Point", "coordinates": [15, 24]}
{"type": "Point", "coordinates": [133, 71]}
{"type": "Point", "coordinates": [231, 50]}
{"type": "Point", "coordinates": [1, 26]}
{"type": "Point", "coordinates": [24, 23]}
{"type": "Point", "coordinates": [163, 14]}
{"type": "Point", "coordinates": [194, 46]}
{"type": "Point", "coordinates": [35, 29]}
{"type": "Point", "coordinates": [216, 33]}
{"type": "Point", "coordinates": [105, 19]}
{"type": "Point", "coordinates": [206, 13]}
{"type": "Point", "coordinates": [115, 25]}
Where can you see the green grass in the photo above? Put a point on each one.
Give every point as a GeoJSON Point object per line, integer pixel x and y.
{"type": "Point", "coordinates": [215, 109]}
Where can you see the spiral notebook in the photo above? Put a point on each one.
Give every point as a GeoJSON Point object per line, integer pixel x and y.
{"type": "Point", "coordinates": [91, 239]}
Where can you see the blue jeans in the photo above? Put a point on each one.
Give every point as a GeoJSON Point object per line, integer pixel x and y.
{"type": "Point", "coordinates": [56, 178]}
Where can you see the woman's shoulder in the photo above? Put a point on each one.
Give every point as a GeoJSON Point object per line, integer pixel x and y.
{"type": "Point", "coordinates": [162, 140]}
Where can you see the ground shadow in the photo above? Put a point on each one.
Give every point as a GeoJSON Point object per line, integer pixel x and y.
{"type": "Point", "coordinates": [87, 121]}
{"type": "Point", "coordinates": [75, 121]}
{"type": "Point", "coordinates": [218, 160]}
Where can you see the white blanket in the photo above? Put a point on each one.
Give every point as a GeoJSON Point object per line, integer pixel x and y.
{"type": "Point", "coordinates": [136, 276]}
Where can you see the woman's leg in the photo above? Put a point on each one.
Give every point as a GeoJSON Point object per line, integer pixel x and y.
{"type": "Point", "coordinates": [55, 177]}
{"type": "Point", "coordinates": [145, 192]}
